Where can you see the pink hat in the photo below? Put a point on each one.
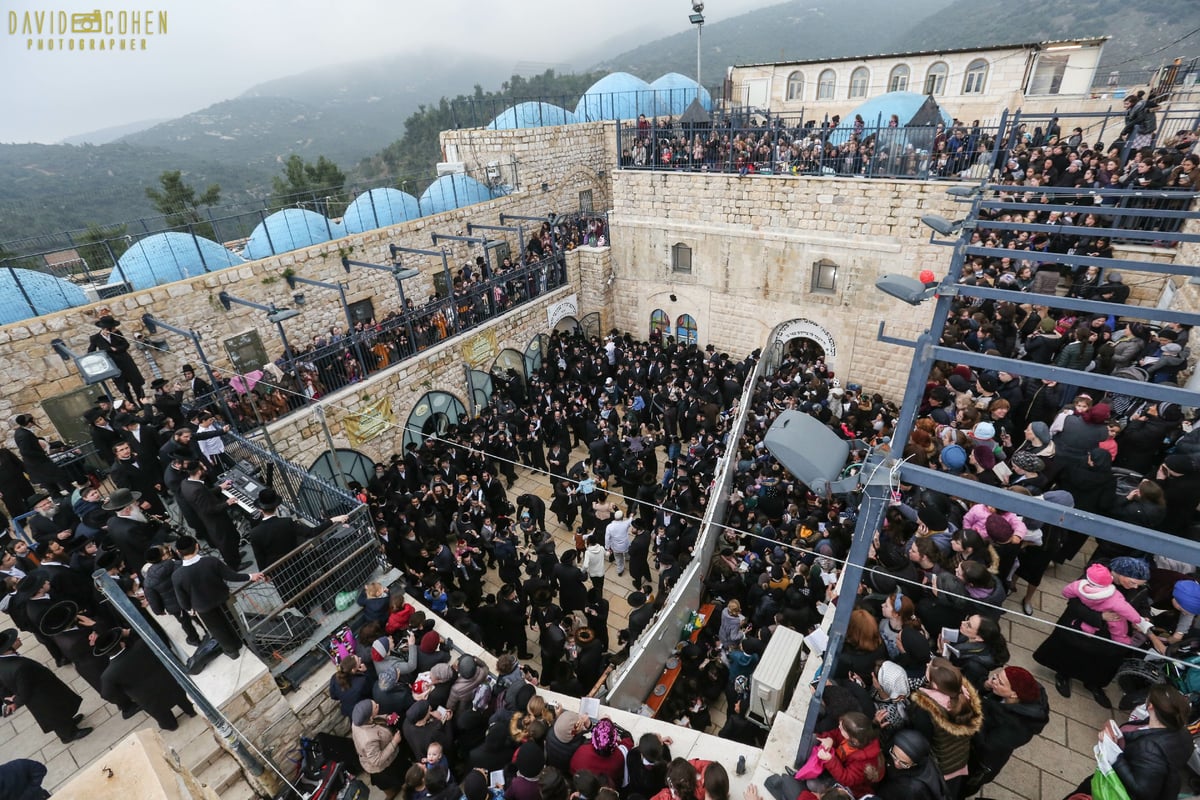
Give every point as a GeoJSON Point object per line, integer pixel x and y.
{"type": "Point", "coordinates": [1098, 575]}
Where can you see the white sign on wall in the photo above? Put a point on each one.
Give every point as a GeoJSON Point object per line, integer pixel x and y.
{"type": "Point", "coordinates": [567, 307]}
{"type": "Point", "coordinates": [808, 329]}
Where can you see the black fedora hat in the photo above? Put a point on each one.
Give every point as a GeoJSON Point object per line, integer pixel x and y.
{"type": "Point", "coordinates": [268, 499]}
{"type": "Point", "coordinates": [59, 617]}
{"type": "Point", "coordinates": [107, 321]}
{"type": "Point", "coordinates": [108, 559]}
{"type": "Point", "coordinates": [121, 498]}
{"type": "Point", "coordinates": [34, 499]}
{"type": "Point", "coordinates": [107, 642]}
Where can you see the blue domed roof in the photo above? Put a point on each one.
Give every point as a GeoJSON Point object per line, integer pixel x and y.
{"type": "Point", "coordinates": [46, 292]}
{"type": "Point", "coordinates": [617, 95]}
{"type": "Point", "coordinates": [166, 257]}
{"type": "Point", "coordinates": [380, 208]}
{"type": "Point", "coordinates": [453, 191]}
{"type": "Point", "coordinates": [532, 115]}
{"type": "Point", "coordinates": [877, 111]}
{"type": "Point", "coordinates": [288, 230]}
{"type": "Point", "coordinates": [673, 93]}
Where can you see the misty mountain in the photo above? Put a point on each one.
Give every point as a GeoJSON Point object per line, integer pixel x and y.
{"type": "Point", "coordinates": [111, 134]}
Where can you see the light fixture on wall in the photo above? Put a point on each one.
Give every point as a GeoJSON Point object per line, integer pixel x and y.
{"type": "Point", "coordinates": [673, 298]}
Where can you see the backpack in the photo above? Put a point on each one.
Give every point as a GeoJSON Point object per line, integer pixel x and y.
{"type": "Point", "coordinates": [482, 699]}
{"type": "Point", "coordinates": [341, 644]}
{"type": "Point", "coordinates": [1186, 679]}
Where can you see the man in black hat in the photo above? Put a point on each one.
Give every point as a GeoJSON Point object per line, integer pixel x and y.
{"type": "Point", "coordinates": [110, 340]}
{"type": "Point", "coordinates": [135, 677]}
{"type": "Point", "coordinates": [70, 631]}
{"type": "Point", "coordinates": [104, 436]}
{"type": "Point", "coordinates": [212, 509]}
{"type": "Point", "coordinates": [24, 682]}
{"type": "Point", "coordinates": [129, 530]}
{"type": "Point", "coordinates": [194, 387]}
{"type": "Point", "coordinates": [511, 615]}
{"type": "Point", "coordinates": [201, 586]}
{"type": "Point", "coordinates": [273, 537]}
{"type": "Point", "coordinates": [639, 616]}
{"type": "Point", "coordinates": [54, 521]}
{"type": "Point", "coordinates": [168, 401]}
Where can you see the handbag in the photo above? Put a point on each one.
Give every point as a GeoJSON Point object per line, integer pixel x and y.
{"type": "Point", "coordinates": [811, 768]}
{"type": "Point", "coordinates": [1106, 784]}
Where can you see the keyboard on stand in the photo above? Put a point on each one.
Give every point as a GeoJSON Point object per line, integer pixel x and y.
{"type": "Point", "coordinates": [244, 489]}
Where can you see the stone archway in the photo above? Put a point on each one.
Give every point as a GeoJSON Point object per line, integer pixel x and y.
{"type": "Point", "coordinates": [801, 328]}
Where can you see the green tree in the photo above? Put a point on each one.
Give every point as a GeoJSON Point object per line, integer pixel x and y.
{"type": "Point", "coordinates": [101, 247]}
{"type": "Point", "coordinates": [179, 204]}
{"type": "Point", "coordinates": [318, 186]}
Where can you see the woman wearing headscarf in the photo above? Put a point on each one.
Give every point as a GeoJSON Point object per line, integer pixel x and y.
{"type": "Point", "coordinates": [913, 656]}
{"type": "Point", "coordinates": [912, 773]}
{"type": "Point", "coordinates": [529, 761]}
{"type": "Point", "coordinates": [377, 746]}
{"type": "Point", "coordinates": [1015, 709]}
{"type": "Point", "coordinates": [1093, 486]}
{"type": "Point", "coordinates": [601, 755]}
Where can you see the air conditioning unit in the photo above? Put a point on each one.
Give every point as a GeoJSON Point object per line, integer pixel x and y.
{"type": "Point", "coordinates": [451, 168]}
{"type": "Point", "coordinates": [776, 674]}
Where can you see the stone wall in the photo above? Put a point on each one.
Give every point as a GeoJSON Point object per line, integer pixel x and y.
{"type": "Point", "coordinates": [31, 372]}
{"type": "Point", "coordinates": [301, 438]}
{"type": "Point", "coordinates": [555, 163]}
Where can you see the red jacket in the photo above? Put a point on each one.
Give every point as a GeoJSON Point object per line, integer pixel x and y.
{"type": "Point", "coordinates": [611, 766]}
{"type": "Point", "coordinates": [857, 770]}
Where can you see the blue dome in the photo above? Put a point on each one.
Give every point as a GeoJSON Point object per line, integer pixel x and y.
{"type": "Point", "coordinates": [379, 208]}
{"type": "Point", "coordinates": [288, 230]}
{"type": "Point", "coordinates": [532, 115]}
{"type": "Point", "coordinates": [878, 110]}
{"type": "Point", "coordinates": [453, 191]}
{"type": "Point", "coordinates": [46, 292]}
{"type": "Point", "coordinates": [618, 95]}
{"type": "Point", "coordinates": [166, 257]}
{"type": "Point", "coordinates": [673, 93]}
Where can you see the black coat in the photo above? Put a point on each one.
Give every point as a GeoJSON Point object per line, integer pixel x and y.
{"type": "Point", "coordinates": [139, 477]}
{"type": "Point", "coordinates": [202, 586]}
{"type": "Point", "coordinates": [211, 508]}
{"type": "Point", "coordinates": [275, 537]}
{"type": "Point", "coordinates": [159, 589]}
{"type": "Point", "coordinates": [78, 650]}
{"type": "Point", "coordinates": [1006, 726]}
{"type": "Point", "coordinates": [136, 674]}
{"type": "Point", "coordinates": [133, 538]}
{"type": "Point", "coordinates": [51, 701]}
{"type": "Point", "coordinates": [38, 464]}
{"type": "Point", "coordinates": [1151, 765]}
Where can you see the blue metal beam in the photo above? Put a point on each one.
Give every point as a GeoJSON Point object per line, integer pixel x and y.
{"type": "Point", "coordinates": [1083, 261]}
{"type": "Point", "coordinates": [1083, 230]}
{"type": "Point", "coordinates": [1076, 304]}
{"type": "Point", "coordinates": [1153, 391]}
{"type": "Point", "coordinates": [1085, 522]}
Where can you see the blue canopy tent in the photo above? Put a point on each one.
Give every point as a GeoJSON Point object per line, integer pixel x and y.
{"type": "Point", "coordinates": [912, 109]}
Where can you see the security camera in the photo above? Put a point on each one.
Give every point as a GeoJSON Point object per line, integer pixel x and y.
{"type": "Point", "coordinates": [698, 7]}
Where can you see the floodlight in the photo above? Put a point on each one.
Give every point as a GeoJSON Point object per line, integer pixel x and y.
{"type": "Point", "coordinates": [963, 191]}
{"type": "Point", "coordinates": [942, 225]}
{"type": "Point", "coordinates": [280, 314]}
{"type": "Point", "coordinates": [696, 19]}
{"type": "Point", "coordinates": [902, 287]}
{"type": "Point", "coordinates": [226, 303]}
{"type": "Point", "coordinates": [150, 323]}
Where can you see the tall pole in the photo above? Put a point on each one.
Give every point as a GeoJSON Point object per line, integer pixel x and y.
{"type": "Point", "coordinates": [699, 30]}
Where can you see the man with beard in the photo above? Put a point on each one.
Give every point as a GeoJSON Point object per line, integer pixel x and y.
{"type": "Point", "coordinates": [53, 522]}
{"type": "Point", "coordinates": [130, 531]}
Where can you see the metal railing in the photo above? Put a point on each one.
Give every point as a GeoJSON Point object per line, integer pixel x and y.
{"type": "Point", "coordinates": [318, 370]}
{"type": "Point", "coordinates": [283, 618]}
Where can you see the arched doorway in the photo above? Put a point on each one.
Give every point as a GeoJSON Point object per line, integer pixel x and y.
{"type": "Point", "coordinates": [803, 339]}
{"type": "Point", "coordinates": [509, 367]}
{"type": "Point", "coordinates": [433, 415]}
{"type": "Point", "coordinates": [567, 325]}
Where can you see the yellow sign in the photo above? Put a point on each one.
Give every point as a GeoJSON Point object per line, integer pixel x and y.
{"type": "Point", "coordinates": [369, 421]}
{"type": "Point", "coordinates": [480, 350]}
{"type": "Point", "coordinates": [99, 29]}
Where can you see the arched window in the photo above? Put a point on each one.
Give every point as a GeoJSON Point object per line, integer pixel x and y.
{"type": "Point", "coordinates": [681, 258]}
{"type": "Point", "coordinates": [660, 323]}
{"type": "Point", "coordinates": [898, 80]}
{"type": "Point", "coordinates": [975, 77]}
{"type": "Point", "coordinates": [935, 78]}
{"type": "Point", "coordinates": [795, 86]}
{"type": "Point", "coordinates": [685, 329]}
{"type": "Point", "coordinates": [433, 415]}
{"type": "Point", "coordinates": [354, 465]}
{"type": "Point", "coordinates": [825, 85]}
{"type": "Point", "coordinates": [859, 79]}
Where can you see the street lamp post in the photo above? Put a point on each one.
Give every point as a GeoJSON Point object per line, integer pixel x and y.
{"type": "Point", "coordinates": [697, 19]}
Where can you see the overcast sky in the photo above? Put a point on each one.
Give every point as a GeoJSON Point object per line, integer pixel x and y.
{"type": "Point", "coordinates": [216, 49]}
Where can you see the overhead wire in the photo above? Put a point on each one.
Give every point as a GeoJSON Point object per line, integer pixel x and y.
{"type": "Point", "coordinates": [387, 424]}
